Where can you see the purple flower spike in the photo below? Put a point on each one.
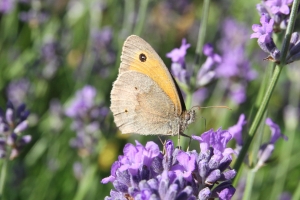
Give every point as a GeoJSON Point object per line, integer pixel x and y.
{"type": "Point", "coordinates": [178, 54]}
{"type": "Point", "coordinates": [264, 34]}
{"type": "Point", "coordinates": [276, 132]}
{"type": "Point", "coordinates": [83, 101]}
{"type": "Point", "coordinates": [264, 31]}
{"type": "Point", "coordinates": [279, 6]}
{"type": "Point", "coordinates": [185, 175]}
{"type": "Point", "coordinates": [12, 123]}
{"type": "Point", "coordinates": [178, 62]}
{"type": "Point", "coordinates": [88, 116]}
{"type": "Point", "coordinates": [218, 140]}
{"type": "Point", "coordinates": [207, 73]}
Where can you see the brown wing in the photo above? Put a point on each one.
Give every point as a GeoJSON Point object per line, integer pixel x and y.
{"type": "Point", "coordinates": [134, 49]}
{"type": "Point", "coordinates": [140, 106]}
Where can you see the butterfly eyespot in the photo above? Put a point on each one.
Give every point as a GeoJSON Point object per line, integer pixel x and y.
{"type": "Point", "coordinates": [126, 110]}
{"type": "Point", "coordinates": [135, 88]}
{"type": "Point", "coordinates": [143, 57]}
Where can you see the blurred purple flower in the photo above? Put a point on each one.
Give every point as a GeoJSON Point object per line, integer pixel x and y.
{"type": "Point", "coordinates": [49, 57]}
{"type": "Point", "coordinates": [199, 96]}
{"type": "Point", "coordinates": [78, 170]}
{"type": "Point", "coordinates": [234, 64]}
{"type": "Point", "coordinates": [237, 130]}
{"type": "Point", "coordinates": [12, 123]}
{"type": "Point", "coordinates": [179, 6]}
{"type": "Point", "coordinates": [207, 72]}
{"type": "Point", "coordinates": [17, 91]}
{"type": "Point", "coordinates": [33, 17]}
{"type": "Point", "coordinates": [103, 50]}
{"type": "Point", "coordinates": [235, 69]}
{"type": "Point", "coordinates": [6, 6]}
{"type": "Point", "coordinates": [87, 117]}
{"type": "Point", "coordinates": [177, 55]}
{"type": "Point", "coordinates": [82, 103]}
{"type": "Point", "coordinates": [285, 196]}
{"type": "Point", "coordinates": [101, 38]}
{"type": "Point", "coordinates": [232, 41]}
{"type": "Point", "coordinates": [276, 132]}
{"type": "Point", "coordinates": [144, 172]}
{"type": "Point", "coordinates": [178, 66]}
{"type": "Point", "coordinates": [238, 92]}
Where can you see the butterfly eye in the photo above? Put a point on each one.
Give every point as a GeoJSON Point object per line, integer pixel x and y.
{"type": "Point", "coordinates": [187, 116]}
{"type": "Point", "coordinates": [143, 57]}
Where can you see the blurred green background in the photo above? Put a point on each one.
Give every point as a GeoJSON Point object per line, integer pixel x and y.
{"type": "Point", "coordinates": [49, 49]}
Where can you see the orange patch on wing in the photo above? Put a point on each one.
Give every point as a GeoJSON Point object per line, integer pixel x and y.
{"type": "Point", "coordinates": [156, 72]}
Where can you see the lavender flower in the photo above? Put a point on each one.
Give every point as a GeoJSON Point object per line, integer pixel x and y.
{"type": "Point", "coordinates": [145, 173]}
{"type": "Point", "coordinates": [33, 17]}
{"type": "Point", "coordinates": [12, 123]}
{"type": "Point", "coordinates": [276, 132]}
{"type": "Point", "coordinates": [267, 149]}
{"type": "Point", "coordinates": [274, 18]}
{"type": "Point", "coordinates": [279, 6]}
{"type": "Point", "coordinates": [237, 129]}
{"type": "Point", "coordinates": [6, 6]}
{"type": "Point", "coordinates": [264, 34]}
{"type": "Point", "coordinates": [104, 53]}
{"type": "Point", "coordinates": [294, 48]}
{"type": "Point", "coordinates": [207, 73]}
{"type": "Point", "coordinates": [17, 91]}
{"type": "Point", "coordinates": [87, 118]}
{"type": "Point", "coordinates": [49, 57]}
{"type": "Point", "coordinates": [285, 196]}
{"type": "Point", "coordinates": [234, 71]}
{"type": "Point", "coordinates": [278, 10]}
{"type": "Point", "coordinates": [178, 66]}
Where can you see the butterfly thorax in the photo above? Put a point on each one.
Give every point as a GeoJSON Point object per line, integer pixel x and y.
{"type": "Point", "coordinates": [187, 117]}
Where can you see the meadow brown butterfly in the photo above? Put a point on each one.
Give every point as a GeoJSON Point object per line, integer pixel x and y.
{"type": "Point", "coordinates": [145, 99]}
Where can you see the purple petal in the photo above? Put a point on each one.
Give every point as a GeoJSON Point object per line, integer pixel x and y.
{"type": "Point", "coordinates": [204, 194]}
{"type": "Point", "coordinates": [108, 179]}
{"type": "Point", "coordinates": [21, 127]}
{"type": "Point", "coordinates": [276, 132]}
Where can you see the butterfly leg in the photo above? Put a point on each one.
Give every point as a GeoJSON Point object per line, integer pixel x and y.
{"type": "Point", "coordinates": [164, 144]}
{"type": "Point", "coordinates": [187, 137]}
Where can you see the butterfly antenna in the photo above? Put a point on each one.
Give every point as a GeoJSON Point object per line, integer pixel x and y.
{"type": "Point", "coordinates": [199, 107]}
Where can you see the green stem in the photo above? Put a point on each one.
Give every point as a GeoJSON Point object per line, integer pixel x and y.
{"type": "Point", "coordinates": [198, 53]}
{"type": "Point", "coordinates": [141, 18]}
{"type": "Point", "coordinates": [86, 182]}
{"type": "Point", "coordinates": [270, 89]}
{"type": "Point", "coordinates": [127, 21]}
{"type": "Point", "coordinates": [251, 173]}
{"type": "Point", "coordinates": [250, 181]}
{"type": "Point", "coordinates": [296, 194]}
{"type": "Point", "coordinates": [3, 176]}
{"type": "Point", "coordinates": [202, 32]}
